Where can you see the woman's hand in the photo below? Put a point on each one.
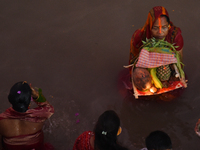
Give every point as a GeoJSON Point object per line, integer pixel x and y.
{"type": "Point", "coordinates": [34, 93]}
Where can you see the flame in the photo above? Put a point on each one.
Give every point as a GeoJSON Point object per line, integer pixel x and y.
{"type": "Point", "coordinates": [151, 90]}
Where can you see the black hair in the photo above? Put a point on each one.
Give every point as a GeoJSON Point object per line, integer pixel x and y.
{"type": "Point", "coordinates": [167, 18]}
{"type": "Point", "coordinates": [106, 132]}
{"type": "Point", "coordinates": [20, 96]}
{"type": "Point", "coordinates": [158, 140]}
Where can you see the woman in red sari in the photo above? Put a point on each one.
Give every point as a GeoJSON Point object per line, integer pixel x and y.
{"type": "Point", "coordinates": [159, 26]}
{"type": "Point", "coordinates": [104, 136]}
{"type": "Point", "coordinates": [21, 127]}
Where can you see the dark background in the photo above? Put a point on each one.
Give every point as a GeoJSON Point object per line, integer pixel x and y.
{"type": "Point", "coordinates": [75, 50]}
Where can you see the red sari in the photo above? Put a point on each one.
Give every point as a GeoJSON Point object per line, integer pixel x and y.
{"type": "Point", "coordinates": [173, 36]}
{"type": "Point", "coordinates": [32, 141]}
{"type": "Point", "coordinates": [83, 141]}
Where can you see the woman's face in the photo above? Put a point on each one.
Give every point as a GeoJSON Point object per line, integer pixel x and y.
{"type": "Point", "coordinates": [160, 28]}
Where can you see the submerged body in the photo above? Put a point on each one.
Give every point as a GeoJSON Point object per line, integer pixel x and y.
{"type": "Point", "coordinates": [148, 50]}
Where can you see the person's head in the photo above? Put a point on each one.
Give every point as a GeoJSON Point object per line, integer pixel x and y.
{"type": "Point", "coordinates": [160, 27]}
{"type": "Point", "coordinates": [106, 130]}
{"type": "Point", "coordinates": [158, 23]}
{"type": "Point", "coordinates": [158, 140]}
{"type": "Point", "coordinates": [20, 96]}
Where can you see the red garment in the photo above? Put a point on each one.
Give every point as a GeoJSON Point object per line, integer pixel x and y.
{"type": "Point", "coordinates": [173, 36]}
{"type": "Point", "coordinates": [32, 141]}
{"type": "Point", "coordinates": [83, 141]}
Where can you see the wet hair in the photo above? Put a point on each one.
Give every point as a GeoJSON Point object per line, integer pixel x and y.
{"type": "Point", "coordinates": [167, 18]}
{"type": "Point", "coordinates": [106, 132]}
{"type": "Point", "coordinates": [158, 140]}
{"type": "Point", "coordinates": [20, 96]}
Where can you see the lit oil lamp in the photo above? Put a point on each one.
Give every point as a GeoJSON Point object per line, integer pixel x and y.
{"type": "Point", "coordinates": [153, 89]}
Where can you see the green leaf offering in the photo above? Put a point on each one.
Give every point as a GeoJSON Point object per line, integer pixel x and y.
{"type": "Point", "coordinates": [41, 97]}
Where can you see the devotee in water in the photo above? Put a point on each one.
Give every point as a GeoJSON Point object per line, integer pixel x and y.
{"type": "Point", "coordinates": [104, 135]}
{"type": "Point", "coordinates": [158, 140]}
{"type": "Point", "coordinates": [157, 46]}
{"type": "Point", "coordinates": [21, 127]}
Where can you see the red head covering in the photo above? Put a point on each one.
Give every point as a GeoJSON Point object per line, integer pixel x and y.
{"type": "Point", "coordinates": [153, 15]}
{"type": "Point", "coordinates": [173, 36]}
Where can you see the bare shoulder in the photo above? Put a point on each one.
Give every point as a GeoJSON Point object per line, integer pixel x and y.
{"type": "Point", "coordinates": [15, 127]}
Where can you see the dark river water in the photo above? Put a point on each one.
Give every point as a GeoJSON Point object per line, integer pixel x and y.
{"type": "Point", "coordinates": [75, 51]}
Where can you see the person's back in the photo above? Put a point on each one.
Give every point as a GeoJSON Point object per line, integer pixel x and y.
{"type": "Point", "coordinates": [16, 127]}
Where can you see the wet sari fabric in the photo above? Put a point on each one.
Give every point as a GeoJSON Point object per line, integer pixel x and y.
{"type": "Point", "coordinates": [83, 141]}
{"type": "Point", "coordinates": [173, 36]}
{"type": "Point", "coordinates": [32, 141]}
